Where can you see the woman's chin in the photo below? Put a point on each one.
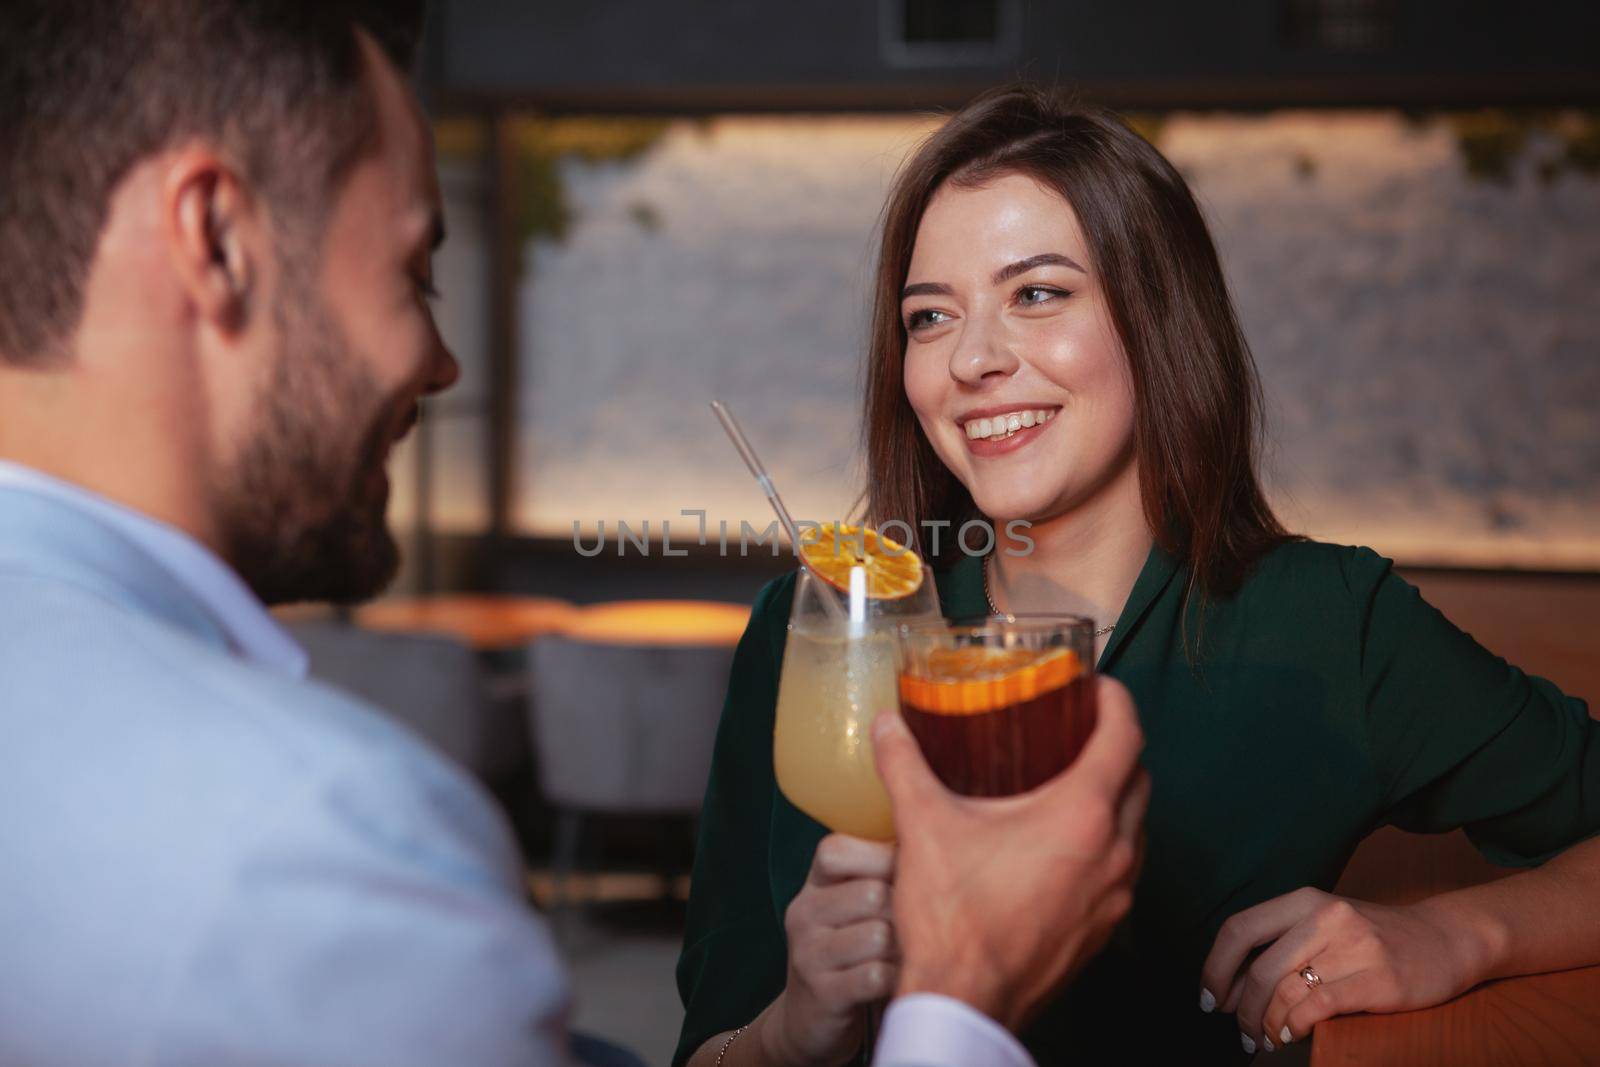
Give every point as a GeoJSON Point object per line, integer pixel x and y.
{"type": "Point", "coordinates": [1004, 506]}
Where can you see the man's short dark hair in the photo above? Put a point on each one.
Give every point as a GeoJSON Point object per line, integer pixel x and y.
{"type": "Point", "coordinates": [89, 88]}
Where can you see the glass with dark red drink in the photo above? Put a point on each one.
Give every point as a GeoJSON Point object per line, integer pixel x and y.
{"type": "Point", "coordinates": [1001, 704]}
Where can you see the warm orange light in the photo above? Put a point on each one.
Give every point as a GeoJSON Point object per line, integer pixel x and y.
{"type": "Point", "coordinates": [484, 621]}
{"type": "Point", "coordinates": [659, 622]}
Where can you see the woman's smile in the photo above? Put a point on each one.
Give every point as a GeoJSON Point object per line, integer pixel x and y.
{"type": "Point", "coordinates": [998, 431]}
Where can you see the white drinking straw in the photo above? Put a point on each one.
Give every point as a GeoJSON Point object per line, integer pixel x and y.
{"type": "Point", "coordinates": [858, 601]}
{"type": "Point", "coordinates": [751, 460]}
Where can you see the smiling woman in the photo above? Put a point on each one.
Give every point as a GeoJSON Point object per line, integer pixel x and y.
{"type": "Point", "coordinates": [963, 365]}
{"type": "Point", "coordinates": [984, 249]}
{"type": "Point", "coordinates": [1039, 259]}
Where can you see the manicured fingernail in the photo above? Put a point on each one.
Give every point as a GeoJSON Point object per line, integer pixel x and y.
{"type": "Point", "coordinates": [1249, 1046]}
{"type": "Point", "coordinates": [1266, 1043]}
{"type": "Point", "coordinates": [1285, 1036]}
{"type": "Point", "coordinates": [1208, 1003]}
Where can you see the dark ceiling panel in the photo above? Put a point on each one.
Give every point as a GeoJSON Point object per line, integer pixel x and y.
{"type": "Point", "coordinates": [649, 54]}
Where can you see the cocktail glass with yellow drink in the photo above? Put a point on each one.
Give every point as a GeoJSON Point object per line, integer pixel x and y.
{"type": "Point", "coordinates": [840, 661]}
{"type": "Point", "coordinates": [840, 668]}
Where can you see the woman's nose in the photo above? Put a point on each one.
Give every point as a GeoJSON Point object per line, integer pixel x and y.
{"type": "Point", "coordinates": [981, 351]}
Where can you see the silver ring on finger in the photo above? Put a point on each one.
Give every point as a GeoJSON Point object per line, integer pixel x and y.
{"type": "Point", "coordinates": [1311, 978]}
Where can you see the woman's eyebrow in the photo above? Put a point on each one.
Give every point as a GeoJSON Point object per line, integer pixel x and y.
{"type": "Point", "coordinates": [925, 289]}
{"type": "Point", "coordinates": [1043, 259]}
{"type": "Point", "coordinates": [1004, 274]}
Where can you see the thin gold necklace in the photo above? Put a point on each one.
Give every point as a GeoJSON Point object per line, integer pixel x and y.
{"type": "Point", "coordinates": [990, 598]}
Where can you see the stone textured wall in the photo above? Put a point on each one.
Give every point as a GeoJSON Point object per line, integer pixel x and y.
{"type": "Point", "coordinates": [1429, 341]}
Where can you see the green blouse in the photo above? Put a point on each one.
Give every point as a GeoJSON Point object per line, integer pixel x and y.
{"type": "Point", "coordinates": [1327, 699]}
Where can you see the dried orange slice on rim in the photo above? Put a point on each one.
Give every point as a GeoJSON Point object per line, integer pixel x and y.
{"type": "Point", "coordinates": [975, 679]}
{"type": "Point", "coordinates": [893, 570]}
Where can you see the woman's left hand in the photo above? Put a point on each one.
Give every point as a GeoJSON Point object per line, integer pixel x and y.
{"type": "Point", "coordinates": [1370, 957]}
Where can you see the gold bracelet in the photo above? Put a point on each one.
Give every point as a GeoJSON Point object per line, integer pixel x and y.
{"type": "Point", "coordinates": [723, 1052]}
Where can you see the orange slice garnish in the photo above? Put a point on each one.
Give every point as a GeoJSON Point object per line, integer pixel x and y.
{"type": "Point", "coordinates": [976, 679]}
{"type": "Point", "coordinates": [893, 570]}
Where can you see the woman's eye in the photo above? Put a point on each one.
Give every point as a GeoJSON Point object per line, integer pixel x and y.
{"type": "Point", "coordinates": [926, 317]}
{"type": "Point", "coordinates": [1037, 294]}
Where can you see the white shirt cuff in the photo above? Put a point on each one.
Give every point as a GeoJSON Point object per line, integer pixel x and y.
{"type": "Point", "coordinates": [930, 1030]}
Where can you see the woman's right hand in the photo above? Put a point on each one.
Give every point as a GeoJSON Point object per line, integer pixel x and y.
{"type": "Point", "coordinates": [842, 955]}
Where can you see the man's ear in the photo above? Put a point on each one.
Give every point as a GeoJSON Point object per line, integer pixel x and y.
{"type": "Point", "coordinates": [213, 234]}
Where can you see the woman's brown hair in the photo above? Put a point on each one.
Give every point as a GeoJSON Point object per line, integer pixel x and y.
{"type": "Point", "coordinates": [1197, 400]}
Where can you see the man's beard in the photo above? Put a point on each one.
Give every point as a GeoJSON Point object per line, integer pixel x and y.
{"type": "Point", "coordinates": [299, 518]}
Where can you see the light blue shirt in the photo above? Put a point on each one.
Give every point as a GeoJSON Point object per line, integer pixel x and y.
{"type": "Point", "coordinates": [249, 629]}
{"type": "Point", "coordinates": [207, 860]}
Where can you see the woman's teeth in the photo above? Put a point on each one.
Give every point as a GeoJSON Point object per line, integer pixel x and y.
{"type": "Point", "coordinates": [1002, 426]}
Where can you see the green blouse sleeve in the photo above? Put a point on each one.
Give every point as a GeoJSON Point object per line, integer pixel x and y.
{"type": "Point", "coordinates": [734, 960]}
{"type": "Point", "coordinates": [1460, 738]}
